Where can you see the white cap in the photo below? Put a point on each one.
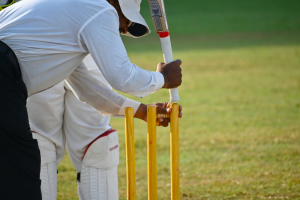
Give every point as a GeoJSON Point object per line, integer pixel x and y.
{"type": "Point", "coordinates": [3, 2]}
{"type": "Point", "coordinates": [131, 10]}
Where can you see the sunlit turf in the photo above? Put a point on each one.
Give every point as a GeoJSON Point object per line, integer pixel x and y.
{"type": "Point", "coordinates": [240, 134]}
{"type": "Point", "coordinates": [240, 131]}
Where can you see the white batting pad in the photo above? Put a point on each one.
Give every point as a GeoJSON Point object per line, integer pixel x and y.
{"type": "Point", "coordinates": [48, 172]}
{"type": "Point", "coordinates": [99, 175]}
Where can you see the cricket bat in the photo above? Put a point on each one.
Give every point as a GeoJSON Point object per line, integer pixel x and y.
{"type": "Point", "coordinates": [159, 18]}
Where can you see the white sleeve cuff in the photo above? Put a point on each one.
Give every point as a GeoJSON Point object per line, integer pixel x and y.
{"type": "Point", "coordinates": [160, 81]}
{"type": "Point", "coordinates": [129, 103]}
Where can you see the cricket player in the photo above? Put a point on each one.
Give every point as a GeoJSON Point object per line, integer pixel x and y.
{"type": "Point", "coordinates": [57, 117]}
{"type": "Point", "coordinates": [58, 120]}
{"type": "Point", "coordinates": [42, 43]}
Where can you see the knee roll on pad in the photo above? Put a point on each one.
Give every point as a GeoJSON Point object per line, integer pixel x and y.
{"type": "Point", "coordinates": [48, 173]}
{"type": "Point", "coordinates": [99, 175]}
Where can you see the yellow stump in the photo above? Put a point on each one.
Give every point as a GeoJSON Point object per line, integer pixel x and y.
{"type": "Point", "coordinates": [174, 144]}
{"type": "Point", "coordinates": [130, 154]}
{"type": "Point", "coordinates": [151, 146]}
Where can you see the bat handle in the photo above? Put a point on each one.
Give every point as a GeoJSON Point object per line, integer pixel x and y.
{"type": "Point", "coordinates": [168, 57]}
{"type": "Point", "coordinates": [174, 95]}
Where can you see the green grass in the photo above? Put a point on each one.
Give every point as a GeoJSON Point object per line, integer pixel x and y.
{"type": "Point", "coordinates": [240, 133]}
{"type": "Point", "coordinates": [204, 17]}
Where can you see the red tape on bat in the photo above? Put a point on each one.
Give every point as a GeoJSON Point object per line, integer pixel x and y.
{"type": "Point", "coordinates": [163, 34]}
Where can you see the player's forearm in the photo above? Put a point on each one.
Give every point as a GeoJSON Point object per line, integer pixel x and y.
{"type": "Point", "coordinates": [138, 82]}
{"type": "Point", "coordinates": [108, 51]}
{"type": "Point", "coordinates": [89, 90]}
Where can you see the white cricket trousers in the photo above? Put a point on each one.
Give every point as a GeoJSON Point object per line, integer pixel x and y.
{"type": "Point", "coordinates": [58, 116]}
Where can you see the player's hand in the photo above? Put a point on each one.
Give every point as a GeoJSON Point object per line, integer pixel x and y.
{"type": "Point", "coordinates": [161, 109]}
{"type": "Point", "coordinates": [171, 72]}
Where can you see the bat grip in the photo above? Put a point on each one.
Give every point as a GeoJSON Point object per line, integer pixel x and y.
{"type": "Point", "coordinates": [168, 57]}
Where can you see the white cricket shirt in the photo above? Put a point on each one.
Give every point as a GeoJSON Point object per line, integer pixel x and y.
{"type": "Point", "coordinates": [52, 37]}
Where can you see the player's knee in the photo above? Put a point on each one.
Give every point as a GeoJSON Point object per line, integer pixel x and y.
{"type": "Point", "coordinates": [99, 169]}
{"type": "Point", "coordinates": [47, 149]}
{"type": "Point", "coordinates": [103, 153]}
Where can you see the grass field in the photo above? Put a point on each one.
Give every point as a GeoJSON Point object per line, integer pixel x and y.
{"type": "Point", "coordinates": [240, 133]}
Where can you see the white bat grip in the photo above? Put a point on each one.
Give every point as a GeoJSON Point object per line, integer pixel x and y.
{"type": "Point", "coordinates": [168, 57]}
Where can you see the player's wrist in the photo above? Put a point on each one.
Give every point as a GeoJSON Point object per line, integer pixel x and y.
{"type": "Point", "coordinates": [141, 112]}
{"type": "Point", "coordinates": [165, 81]}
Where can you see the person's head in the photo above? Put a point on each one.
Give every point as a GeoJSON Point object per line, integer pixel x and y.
{"type": "Point", "coordinates": [131, 22]}
{"type": "Point", "coordinates": [5, 3]}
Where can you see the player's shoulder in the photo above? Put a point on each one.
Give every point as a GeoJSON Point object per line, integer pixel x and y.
{"type": "Point", "coordinates": [103, 4]}
{"type": "Point", "coordinates": [96, 6]}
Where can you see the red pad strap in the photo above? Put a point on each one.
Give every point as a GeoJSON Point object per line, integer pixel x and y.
{"type": "Point", "coordinates": [163, 34]}
{"type": "Point", "coordinates": [102, 135]}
